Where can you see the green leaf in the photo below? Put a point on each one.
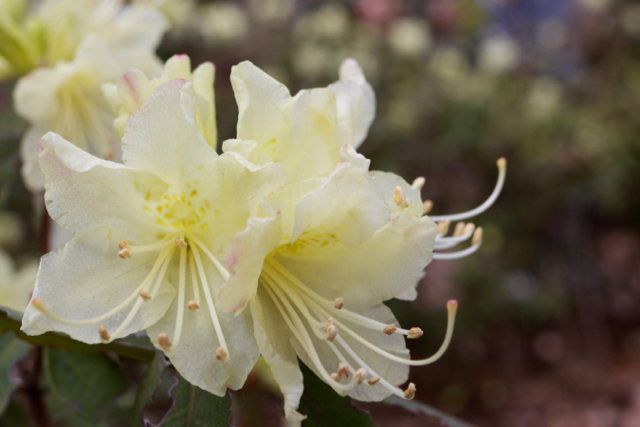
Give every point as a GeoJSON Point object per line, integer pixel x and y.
{"type": "Point", "coordinates": [148, 387]}
{"type": "Point", "coordinates": [16, 415]}
{"type": "Point", "coordinates": [194, 407]}
{"type": "Point", "coordinates": [88, 383]}
{"type": "Point", "coordinates": [326, 408]}
{"type": "Point", "coordinates": [11, 350]}
{"type": "Point", "coordinates": [419, 407]}
{"type": "Point", "coordinates": [63, 342]}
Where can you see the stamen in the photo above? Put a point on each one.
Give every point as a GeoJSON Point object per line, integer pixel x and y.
{"type": "Point", "coordinates": [124, 245]}
{"type": "Point", "coordinates": [373, 380]}
{"type": "Point", "coordinates": [418, 183]}
{"type": "Point", "coordinates": [477, 237]}
{"type": "Point", "coordinates": [225, 274]}
{"type": "Point", "coordinates": [414, 333]}
{"type": "Point", "coordinates": [335, 377]}
{"type": "Point", "coordinates": [459, 229]}
{"type": "Point", "coordinates": [332, 332]}
{"type": "Point", "coordinates": [104, 335]}
{"type": "Point", "coordinates": [207, 294]}
{"type": "Point", "coordinates": [221, 354]}
{"type": "Point", "coordinates": [343, 370]}
{"type": "Point", "coordinates": [125, 253]}
{"type": "Point", "coordinates": [145, 295]}
{"type": "Point", "coordinates": [390, 329]}
{"type": "Point", "coordinates": [193, 306]}
{"type": "Point", "coordinates": [443, 227]}
{"type": "Point", "coordinates": [339, 303]}
{"type": "Point", "coordinates": [164, 342]}
{"type": "Point", "coordinates": [502, 173]}
{"type": "Point", "coordinates": [358, 377]}
{"type": "Point", "coordinates": [427, 205]}
{"type": "Point", "coordinates": [181, 288]}
{"type": "Point", "coordinates": [181, 244]}
{"type": "Point", "coordinates": [475, 245]}
{"type": "Point", "coordinates": [410, 391]}
{"type": "Point", "coordinates": [400, 197]}
{"type": "Point", "coordinates": [329, 324]}
{"type": "Point", "coordinates": [39, 304]}
{"type": "Point", "coordinates": [126, 250]}
{"type": "Point", "coordinates": [194, 284]}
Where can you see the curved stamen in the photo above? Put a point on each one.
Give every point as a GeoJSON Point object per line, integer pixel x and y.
{"type": "Point", "coordinates": [225, 274]}
{"type": "Point", "coordinates": [147, 248]}
{"type": "Point", "coordinates": [502, 173]}
{"type": "Point", "coordinates": [39, 304]}
{"type": "Point", "coordinates": [449, 242]}
{"type": "Point", "coordinates": [212, 309]}
{"type": "Point", "coordinates": [475, 245]}
{"type": "Point", "coordinates": [181, 289]}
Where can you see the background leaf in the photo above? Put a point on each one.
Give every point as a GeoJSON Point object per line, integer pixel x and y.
{"type": "Point", "coordinates": [11, 350]}
{"type": "Point", "coordinates": [194, 407]}
{"type": "Point", "coordinates": [148, 388]}
{"type": "Point", "coordinates": [325, 408]}
{"type": "Point", "coordinates": [89, 384]}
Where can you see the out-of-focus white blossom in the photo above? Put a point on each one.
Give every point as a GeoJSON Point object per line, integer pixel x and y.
{"type": "Point", "coordinates": [498, 54]}
{"type": "Point", "coordinates": [272, 10]}
{"type": "Point", "coordinates": [16, 284]}
{"type": "Point", "coordinates": [630, 19]}
{"type": "Point", "coordinates": [544, 98]}
{"type": "Point", "coordinates": [410, 37]}
{"type": "Point", "coordinates": [223, 22]}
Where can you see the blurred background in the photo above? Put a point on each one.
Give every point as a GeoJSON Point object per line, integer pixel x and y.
{"type": "Point", "coordinates": [548, 331]}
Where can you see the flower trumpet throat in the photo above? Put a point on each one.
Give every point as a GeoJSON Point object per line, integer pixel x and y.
{"type": "Point", "coordinates": [303, 310]}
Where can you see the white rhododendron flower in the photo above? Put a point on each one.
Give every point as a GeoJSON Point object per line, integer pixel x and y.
{"type": "Point", "coordinates": [65, 96]}
{"type": "Point", "coordinates": [16, 284]}
{"type": "Point", "coordinates": [147, 238]}
{"type": "Point", "coordinates": [129, 92]}
{"type": "Point", "coordinates": [340, 240]}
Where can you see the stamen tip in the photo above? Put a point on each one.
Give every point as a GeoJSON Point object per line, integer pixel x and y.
{"type": "Point", "coordinates": [181, 244]}
{"type": "Point", "coordinates": [414, 333]}
{"type": "Point", "coordinates": [332, 332]}
{"type": "Point", "coordinates": [502, 163]}
{"type": "Point", "coordinates": [164, 342]}
{"type": "Point", "coordinates": [418, 183]}
{"type": "Point", "coordinates": [427, 205]}
{"type": "Point", "coordinates": [400, 197]}
{"type": "Point", "coordinates": [334, 376]}
{"type": "Point", "coordinates": [410, 392]}
{"type": "Point", "coordinates": [37, 303]}
{"type": "Point", "coordinates": [125, 253]}
{"type": "Point", "coordinates": [343, 370]}
{"type": "Point", "coordinates": [468, 228]}
{"type": "Point", "coordinates": [373, 380]}
{"type": "Point", "coordinates": [145, 295]}
{"type": "Point", "coordinates": [124, 245]}
{"type": "Point", "coordinates": [339, 303]}
{"type": "Point", "coordinates": [389, 329]}
{"type": "Point", "coordinates": [193, 306]}
{"type": "Point", "coordinates": [452, 303]}
{"type": "Point", "coordinates": [477, 236]}
{"type": "Point", "coordinates": [359, 375]}
{"type": "Point", "coordinates": [459, 229]}
{"type": "Point", "coordinates": [221, 354]}
{"type": "Point", "coordinates": [104, 334]}
{"type": "Point", "coordinates": [443, 227]}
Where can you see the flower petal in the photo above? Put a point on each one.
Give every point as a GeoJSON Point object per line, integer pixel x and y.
{"type": "Point", "coordinates": [162, 136]}
{"type": "Point", "coordinates": [84, 192]}
{"type": "Point", "coordinates": [386, 266]}
{"type": "Point", "coordinates": [86, 279]}
{"type": "Point", "coordinates": [245, 258]}
{"type": "Point", "coordinates": [194, 355]}
{"type": "Point", "coordinates": [203, 79]}
{"type": "Point", "coordinates": [274, 342]}
{"type": "Point", "coordinates": [356, 101]}
{"type": "Point", "coordinates": [387, 182]}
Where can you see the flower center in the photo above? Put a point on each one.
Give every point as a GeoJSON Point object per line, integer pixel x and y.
{"type": "Point", "coordinates": [180, 210]}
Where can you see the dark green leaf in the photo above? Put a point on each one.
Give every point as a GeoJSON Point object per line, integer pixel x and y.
{"type": "Point", "coordinates": [16, 415]}
{"type": "Point", "coordinates": [194, 407]}
{"type": "Point", "coordinates": [419, 407]}
{"type": "Point", "coordinates": [148, 388]}
{"type": "Point", "coordinates": [11, 350]}
{"type": "Point", "coordinates": [59, 341]}
{"type": "Point", "coordinates": [325, 408]}
{"type": "Point", "coordinates": [88, 383]}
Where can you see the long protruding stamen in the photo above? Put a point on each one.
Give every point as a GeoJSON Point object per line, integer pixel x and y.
{"type": "Point", "coordinates": [138, 303]}
{"type": "Point", "coordinates": [475, 245]}
{"type": "Point", "coordinates": [449, 242]}
{"type": "Point", "coordinates": [223, 271]}
{"type": "Point", "coordinates": [128, 249]}
{"type": "Point", "coordinates": [300, 332]}
{"type": "Point", "coordinates": [39, 304]}
{"type": "Point", "coordinates": [207, 296]}
{"type": "Point", "coordinates": [195, 304]}
{"type": "Point", "coordinates": [273, 267]}
{"type": "Point", "coordinates": [181, 290]}
{"type": "Point", "coordinates": [502, 173]}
